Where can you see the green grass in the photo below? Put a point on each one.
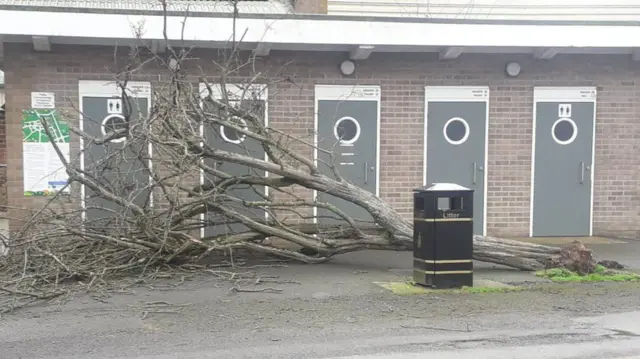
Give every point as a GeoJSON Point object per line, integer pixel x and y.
{"type": "Point", "coordinates": [601, 274]}
{"type": "Point", "coordinates": [474, 290]}
{"type": "Point", "coordinates": [409, 287]}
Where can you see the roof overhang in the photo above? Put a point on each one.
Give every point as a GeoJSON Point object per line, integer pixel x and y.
{"type": "Point", "coordinates": [328, 33]}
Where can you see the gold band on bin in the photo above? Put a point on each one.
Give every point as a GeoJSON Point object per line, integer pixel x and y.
{"type": "Point", "coordinates": [443, 272]}
{"type": "Point", "coordinates": [443, 261]}
{"type": "Point", "coordinates": [443, 219]}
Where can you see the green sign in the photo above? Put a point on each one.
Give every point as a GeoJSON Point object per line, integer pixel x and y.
{"type": "Point", "coordinates": [33, 131]}
{"type": "Point", "coordinates": [43, 171]}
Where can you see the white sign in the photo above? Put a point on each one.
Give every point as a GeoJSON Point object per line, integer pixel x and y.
{"type": "Point", "coordinates": [564, 110]}
{"type": "Point", "coordinates": [114, 106]}
{"type": "Point", "coordinates": [43, 100]}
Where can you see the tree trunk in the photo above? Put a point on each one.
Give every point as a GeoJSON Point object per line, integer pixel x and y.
{"type": "Point", "coordinates": [521, 255]}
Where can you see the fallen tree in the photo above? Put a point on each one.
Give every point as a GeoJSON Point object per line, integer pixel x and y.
{"type": "Point", "coordinates": [182, 151]}
{"type": "Point", "coordinates": [198, 193]}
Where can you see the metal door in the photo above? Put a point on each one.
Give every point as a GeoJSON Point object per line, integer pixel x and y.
{"type": "Point", "coordinates": [562, 168]}
{"type": "Point", "coordinates": [456, 142]}
{"type": "Point", "coordinates": [121, 171]}
{"type": "Point", "coordinates": [349, 129]}
{"type": "Point", "coordinates": [226, 139]}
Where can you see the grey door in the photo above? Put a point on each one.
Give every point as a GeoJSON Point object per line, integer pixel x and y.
{"type": "Point", "coordinates": [118, 166]}
{"type": "Point", "coordinates": [562, 175]}
{"type": "Point", "coordinates": [456, 136]}
{"type": "Point", "coordinates": [349, 130]}
{"type": "Point", "coordinates": [227, 139]}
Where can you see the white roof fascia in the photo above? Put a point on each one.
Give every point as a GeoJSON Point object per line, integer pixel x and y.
{"type": "Point", "coordinates": [317, 30]}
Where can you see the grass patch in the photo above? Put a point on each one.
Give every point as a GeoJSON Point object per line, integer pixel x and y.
{"type": "Point", "coordinates": [410, 287]}
{"type": "Point", "coordinates": [601, 274]}
{"type": "Point", "coordinates": [404, 288]}
{"type": "Point", "coordinates": [474, 290]}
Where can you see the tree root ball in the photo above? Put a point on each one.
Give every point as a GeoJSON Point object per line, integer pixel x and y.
{"type": "Point", "coordinates": [574, 257]}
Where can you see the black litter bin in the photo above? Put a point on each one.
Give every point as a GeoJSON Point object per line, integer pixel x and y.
{"type": "Point", "coordinates": [443, 236]}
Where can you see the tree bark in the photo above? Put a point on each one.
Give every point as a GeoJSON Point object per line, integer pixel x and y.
{"type": "Point", "coordinates": [521, 255]}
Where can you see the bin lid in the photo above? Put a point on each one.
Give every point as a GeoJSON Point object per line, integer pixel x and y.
{"type": "Point", "coordinates": [443, 187]}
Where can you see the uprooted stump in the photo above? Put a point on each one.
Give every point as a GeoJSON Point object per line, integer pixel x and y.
{"type": "Point", "coordinates": [574, 257]}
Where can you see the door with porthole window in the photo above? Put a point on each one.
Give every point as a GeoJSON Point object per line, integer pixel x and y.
{"type": "Point", "coordinates": [348, 129]}
{"type": "Point", "coordinates": [119, 164]}
{"type": "Point", "coordinates": [563, 161]}
{"type": "Point", "coordinates": [456, 142]}
{"type": "Point", "coordinates": [243, 199]}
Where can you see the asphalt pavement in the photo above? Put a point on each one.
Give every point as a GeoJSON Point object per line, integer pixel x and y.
{"type": "Point", "coordinates": [335, 311]}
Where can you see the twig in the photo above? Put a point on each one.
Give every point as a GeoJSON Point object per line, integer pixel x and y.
{"type": "Point", "coordinates": [269, 280]}
{"type": "Point", "coordinates": [31, 294]}
{"type": "Point", "coordinates": [161, 302]}
{"type": "Point", "coordinates": [264, 290]}
{"type": "Point", "coordinates": [173, 308]}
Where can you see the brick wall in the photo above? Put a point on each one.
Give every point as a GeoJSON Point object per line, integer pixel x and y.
{"type": "Point", "coordinates": [402, 78]}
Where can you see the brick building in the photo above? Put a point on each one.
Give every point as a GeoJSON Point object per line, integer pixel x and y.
{"type": "Point", "coordinates": [541, 117]}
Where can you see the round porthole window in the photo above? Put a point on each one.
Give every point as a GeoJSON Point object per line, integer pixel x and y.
{"type": "Point", "coordinates": [456, 131]}
{"type": "Point", "coordinates": [232, 136]}
{"type": "Point", "coordinates": [113, 123]}
{"type": "Point", "coordinates": [564, 131]}
{"type": "Point", "coordinates": [347, 130]}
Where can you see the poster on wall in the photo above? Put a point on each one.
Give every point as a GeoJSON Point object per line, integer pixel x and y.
{"type": "Point", "coordinates": [44, 173]}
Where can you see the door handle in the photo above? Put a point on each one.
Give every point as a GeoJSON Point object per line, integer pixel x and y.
{"type": "Point", "coordinates": [366, 172]}
{"type": "Point", "coordinates": [475, 170]}
{"type": "Point", "coordinates": [581, 172]}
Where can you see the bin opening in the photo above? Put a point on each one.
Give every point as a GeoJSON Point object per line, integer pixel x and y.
{"type": "Point", "coordinates": [419, 204]}
{"type": "Point", "coordinates": [450, 203]}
